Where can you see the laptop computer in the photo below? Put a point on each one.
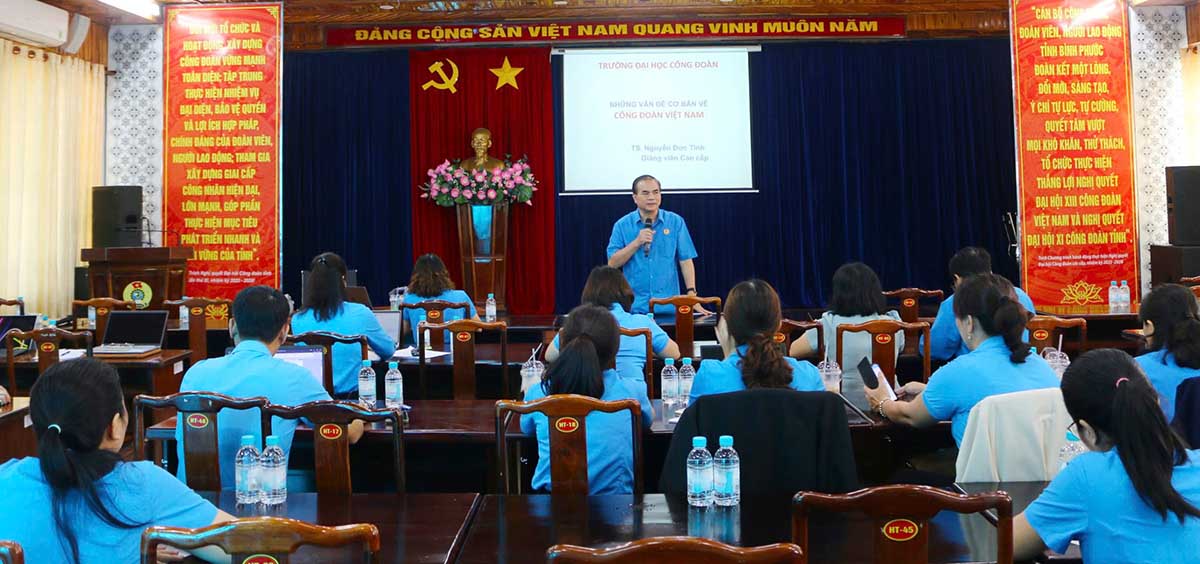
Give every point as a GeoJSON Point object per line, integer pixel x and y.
{"type": "Point", "coordinates": [19, 322]}
{"type": "Point", "coordinates": [133, 332]}
{"type": "Point", "coordinates": [391, 320]}
{"type": "Point", "coordinates": [358, 295]}
{"type": "Point", "coordinates": [309, 358]}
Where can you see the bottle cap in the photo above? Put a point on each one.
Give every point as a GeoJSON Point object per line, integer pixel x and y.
{"type": "Point", "coordinates": [687, 360]}
{"type": "Point", "coordinates": [366, 364]}
{"type": "Point", "coordinates": [247, 440]}
{"type": "Point", "coordinates": [699, 442]}
{"type": "Point", "coordinates": [491, 295]}
{"type": "Point", "coordinates": [725, 441]}
{"type": "Point", "coordinates": [272, 441]}
{"type": "Point", "coordinates": [1124, 282]}
{"type": "Point", "coordinates": [669, 361]}
{"type": "Point", "coordinates": [393, 365]}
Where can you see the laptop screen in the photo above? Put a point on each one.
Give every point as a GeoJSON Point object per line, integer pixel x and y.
{"type": "Point", "coordinates": [390, 320]}
{"type": "Point", "coordinates": [20, 322]}
{"type": "Point", "coordinates": [309, 358]}
{"type": "Point", "coordinates": [136, 327]}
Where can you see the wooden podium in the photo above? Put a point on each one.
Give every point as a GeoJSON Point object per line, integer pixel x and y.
{"type": "Point", "coordinates": [147, 276]}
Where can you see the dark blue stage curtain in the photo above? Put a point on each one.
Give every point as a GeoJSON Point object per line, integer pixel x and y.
{"type": "Point", "coordinates": [893, 153]}
{"type": "Point", "coordinates": [346, 180]}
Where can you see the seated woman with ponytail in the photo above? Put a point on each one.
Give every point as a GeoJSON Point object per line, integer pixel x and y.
{"type": "Point", "coordinates": [1171, 325]}
{"type": "Point", "coordinates": [77, 501]}
{"type": "Point", "coordinates": [1134, 497]}
{"type": "Point", "coordinates": [992, 323]}
{"type": "Point", "coordinates": [752, 357]}
{"type": "Point", "coordinates": [592, 340]}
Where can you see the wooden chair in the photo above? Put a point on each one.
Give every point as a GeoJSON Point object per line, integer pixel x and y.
{"type": "Point", "coordinates": [1196, 291]}
{"type": "Point", "coordinates": [275, 537]}
{"type": "Point", "coordinates": [11, 553]}
{"type": "Point", "coordinates": [649, 370]}
{"type": "Point", "coordinates": [1044, 331]}
{"type": "Point", "coordinates": [46, 341]}
{"type": "Point", "coordinates": [104, 307]}
{"type": "Point", "coordinates": [676, 550]}
{"type": "Point", "coordinates": [883, 345]}
{"type": "Point", "coordinates": [198, 411]}
{"type": "Point", "coordinates": [19, 303]}
{"type": "Point", "coordinates": [199, 310]}
{"type": "Point", "coordinates": [910, 300]}
{"type": "Point", "coordinates": [464, 333]}
{"type": "Point", "coordinates": [685, 327]}
{"type": "Point", "coordinates": [787, 328]}
{"type": "Point", "coordinates": [902, 514]}
{"type": "Point", "coordinates": [326, 340]}
{"type": "Point", "coordinates": [567, 415]}
{"type": "Point", "coordinates": [331, 445]}
{"type": "Point", "coordinates": [435, 312]}
{"type": "Point", "coordinates": [1189, 280]}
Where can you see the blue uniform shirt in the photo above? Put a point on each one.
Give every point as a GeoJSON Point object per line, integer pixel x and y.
{"type": "Point", "coordinates": [726, 376]}
{"type": "Point", "coordinates": [945, 342]}
{"type": "Point", "coordinates": [135, 492]}
{"type": "Point", "coordinates": [986, 371]}
{"type": "Point", "coordinates": [1165, 375]}
{"type": "Point", "coordinates": [656, 276]}
{"type": "Point", "coordinates": [415, 316]}
{"type": "Point", "coordinates": [631, 357]}
{"type": "Point", "coordinates": [1093, 501]}
{"type": "Point", "coordinates": [354, 319]}
{"type": "Point", "coordinates": [609, 438]}
{"type": "Point", "coordinates": [248, 371]}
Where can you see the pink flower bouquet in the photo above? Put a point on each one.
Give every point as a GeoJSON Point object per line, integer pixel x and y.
{"type": "Point", "coordinates": [450, 184]}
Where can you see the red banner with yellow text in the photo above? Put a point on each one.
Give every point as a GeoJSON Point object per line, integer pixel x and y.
{"type": "Point", "coordinates": [221, 163]}
{"type": "Point", "coordinates": [791, 28]}
{"type": "Point", "coordinates": [1074, 152]}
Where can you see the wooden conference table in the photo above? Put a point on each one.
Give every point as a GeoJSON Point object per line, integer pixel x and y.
{"type": "Point", "coordinates": [16, 430]}
{"type": "Point", "coordinates": [166, 368]}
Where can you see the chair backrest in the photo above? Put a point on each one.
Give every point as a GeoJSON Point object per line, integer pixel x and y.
{"type": "Point", "coordinates": [199, 310]}
{"type": "Point", "coordinates": [676, 550]}
{"type": "Point", "coordinates": [788, 333]}
{"type": "Point", "coordinates": [275, 537]}
{"type": "Point", "coordinates": [1044, 331]}
{"type": "Point", "coordinates": [46, 341]}
{"type": "Point", "coordinates": [567, 418]}
{"type": "Point", "coordinates": [1014, 437]}
{"type": "Point", "coordinates": [685, 328]}
{"type": "Point", "coordinates": [1189, 280]}
{"type": "Point", "coordinates": [910, 301]}
{"type": "Point", "coordinates": [649, 369]}
{"type": "Point", "coordinates": [19, 303]}
{"type": "Point", "coordinates": [463, 332]}
{"type": "Point", "coordinates": [435, 312]}
{"type": "Point", "coordinates": [883, 344]}
{"type": "Point", "coordinates": [197, 411]}
{"type": "Point", "coordinates": [331, 444]}
{"type": "Point", "coordinates": [104, 307]}
{"type": "Point", "coordinates": [11, 553]}
{"type": "Point", "coordinates": [1196, 291]}
{"type": "Point", "coordinates": [902, 514]}
{"type": "Point", "coordinates": [326, 340]}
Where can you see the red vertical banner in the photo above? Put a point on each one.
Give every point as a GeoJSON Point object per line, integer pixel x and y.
{"type": "Point", "coordinates": [221, 159]}
{"type": "Point", "coordinates": [1074, 151]}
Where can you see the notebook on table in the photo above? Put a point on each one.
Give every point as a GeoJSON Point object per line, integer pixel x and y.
{"type": "Point", "coordinates": [133, 333]}
{"type": "Point", "coordinates": [21, 323]}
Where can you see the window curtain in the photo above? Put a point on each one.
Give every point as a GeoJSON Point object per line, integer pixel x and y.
{"type": "Point", "coordinates": [51, 154]}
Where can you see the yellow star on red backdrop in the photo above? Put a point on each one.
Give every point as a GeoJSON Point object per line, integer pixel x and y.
{"type": "Point", "coordinates": [507, 74]}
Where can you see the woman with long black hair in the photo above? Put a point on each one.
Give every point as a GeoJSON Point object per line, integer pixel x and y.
{"type": "Point", "coordinates": [1171, 326]}
{"type": "Point", "coordinates": [1134, 497]}
{"type": "Point", "coordinates": [77, 501]}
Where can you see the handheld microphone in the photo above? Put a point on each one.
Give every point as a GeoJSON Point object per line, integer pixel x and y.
{"type": "Point", "coordinates": [648, 223]}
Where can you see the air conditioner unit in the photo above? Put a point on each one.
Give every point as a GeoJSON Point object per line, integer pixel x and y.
{"type": "Point", "coordinates": [33, 22]}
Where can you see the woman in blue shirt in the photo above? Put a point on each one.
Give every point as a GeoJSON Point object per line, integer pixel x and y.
{"type": "Point", "coordinates": [1171, 325]}
{"type": "Point", "coordinates": [431, 281]}
{"type": "Point", "coordinates": [78, 501]}
{"type": "Point", "coordinates": [991, 322]}
{"type": "Point", "coordinates": [1134, 497]}
{"type": "Point", "coordinates": [326, 309]}
{"type": "Point", "coordinates": [752, 358]}
{"type": "Point", "coordinates": [606, 287]}
{"type": "Point", "coordinates": [590, 334]}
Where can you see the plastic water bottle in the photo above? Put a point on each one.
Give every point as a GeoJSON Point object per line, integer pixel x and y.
{"type": "Point", "coordinates": [1073, 448]}
{"type": "Point", "coordinates": [274, 473]}
{"type": "Point", "coordinates": [184, 319]}
{"type": "Point", "coordinates": [489, 309]}
{"type": "Point", "coordinates": [1126, 297]}
{"type": "Point", "coordinates": [1114, 298]}
{"type": "Point", "coordinates": [699, 474]}
{"type": "Point", "coordinates": [687, 375]}
{"type": "Point", "coordinates": [246, 478]}
{"type": "Point", "coordinates": [91, 320]}
{"type": "Point", "coordinates": [727, 474]}
{"type": "Point", "coordinates": [423, 319]}
{"type": "Point", "coordinates": [670, 384]}
{"type": "Point", "coordinates": [393, 386]}
{"type": "Point", "coordinates": [366, 384]}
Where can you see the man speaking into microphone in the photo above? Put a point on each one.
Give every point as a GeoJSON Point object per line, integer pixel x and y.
{"type": "Point", "coordinates": [647, 243]}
